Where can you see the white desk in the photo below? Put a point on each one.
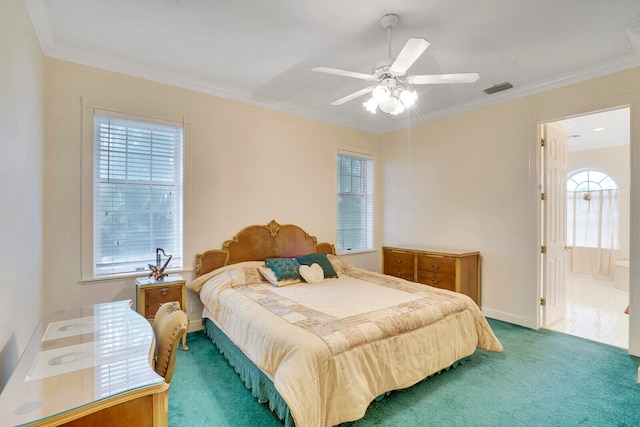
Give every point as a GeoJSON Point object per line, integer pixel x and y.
{"type": "Point", "coordinates": [89, 364]}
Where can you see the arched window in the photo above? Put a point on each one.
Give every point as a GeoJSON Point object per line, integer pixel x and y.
{"type": "Point", "coordinates": [592, 210]}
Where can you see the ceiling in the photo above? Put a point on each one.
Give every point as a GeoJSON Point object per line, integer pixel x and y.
{"type": "Point", "coordinates": [598, 130]}
{"type": "Point", "coordinates": [261, 52]}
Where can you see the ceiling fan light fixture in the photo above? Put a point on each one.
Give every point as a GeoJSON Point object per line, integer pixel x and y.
{"type": "Point", "coordinates": [399, 109]}
{"type": "Point", "coordinates": [371, 105]}
{"type": "Point", "coordinates": [391, 105]}
{"type": "Point", "coordinates": [392, 100]}
{"type": "Point", "coordinates": [380, 94]}
{"type": "Point", "coordinates": [408, 98]}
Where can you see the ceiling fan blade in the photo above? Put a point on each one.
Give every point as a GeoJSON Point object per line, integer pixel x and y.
{"type": "Point", "coordinates": [354, 95]}
{"type": "Point", "coordinates": [344, 73]}
{"type": "Point", "coordinates": [413, 48]}
{"type": "Point", "coordinates": [433, 79]}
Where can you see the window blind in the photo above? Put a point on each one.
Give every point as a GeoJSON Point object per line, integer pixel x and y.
{"type": "Point", "coordinates": [355, 202]}
{"type": "Point", "coordinates": [138, 199]}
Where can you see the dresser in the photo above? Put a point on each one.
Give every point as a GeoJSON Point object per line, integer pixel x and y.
{"type": "Point", "coordinates": [151, 294]}
{"type": "Point", "coordinates": [87, 366]}
{"type": "Point", "coordinates": [454, 270]}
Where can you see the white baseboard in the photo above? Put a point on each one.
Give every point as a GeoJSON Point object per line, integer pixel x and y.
{"type": "Point", "coordinates": [195, 325]}
{"type": "Point", "coordinates": [507, 317]}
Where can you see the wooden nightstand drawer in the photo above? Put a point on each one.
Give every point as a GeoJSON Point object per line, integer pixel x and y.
{"type": "Point", "coordinates": [155, 297]}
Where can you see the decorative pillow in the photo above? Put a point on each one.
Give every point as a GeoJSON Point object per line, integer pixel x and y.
{"type": "Point", "coordinates": [271, 277]}
{"type": "Point", "coordinates": [320, 259]}
{"type": "Point", "coordinates": [312, 273]}
{"type": "Point", "coordinates": [245, 276]}
{"type": "Point", "coordinates": [337, 263]}
{"type": "Point", "coordinates": [285, 268]}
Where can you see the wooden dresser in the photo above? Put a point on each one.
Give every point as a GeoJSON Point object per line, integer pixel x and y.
{"type": "Point", "coordinates": [454, 270]}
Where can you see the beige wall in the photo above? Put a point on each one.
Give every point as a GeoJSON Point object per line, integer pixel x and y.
{"type": "Point", "coordinates": [21, 133]}
{"type": "Point", "coordinates": [470, 182]}
{"type": "Point", "coordinates": [247, 165]}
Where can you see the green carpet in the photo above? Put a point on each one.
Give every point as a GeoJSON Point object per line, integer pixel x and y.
{"type": "Point", "coordinates": [542, 378]}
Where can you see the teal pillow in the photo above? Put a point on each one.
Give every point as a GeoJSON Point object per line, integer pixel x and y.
{"type": "Point", "coordinates": [320, 259]}
{"type": "Point", "coordinates": [284, 268]}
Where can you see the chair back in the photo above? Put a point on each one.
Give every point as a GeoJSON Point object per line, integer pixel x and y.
{"type": "Point", "coordinates": [169, 326]}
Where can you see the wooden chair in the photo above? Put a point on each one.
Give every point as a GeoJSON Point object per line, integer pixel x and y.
{"type": "Point", "coordinates": [169, 326]}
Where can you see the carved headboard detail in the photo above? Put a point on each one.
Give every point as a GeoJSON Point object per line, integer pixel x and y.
{"type": "Point", "coordinates": [258, 242]}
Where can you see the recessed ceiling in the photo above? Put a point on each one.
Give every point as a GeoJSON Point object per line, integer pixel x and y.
{"type": "Point", "coordinates": [261, 52]}
{"type": "Point", "coordinates": [598, 130]}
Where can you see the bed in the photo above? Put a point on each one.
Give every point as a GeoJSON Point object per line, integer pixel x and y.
{"type": "Point", "coordinates": [321, 347]}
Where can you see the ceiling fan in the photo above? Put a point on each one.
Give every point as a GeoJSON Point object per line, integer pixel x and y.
{"type": "Point", "coordinates": [391, 97]}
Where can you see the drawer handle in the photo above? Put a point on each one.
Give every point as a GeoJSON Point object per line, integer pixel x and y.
{"type": "Point", "coordinates": [398, 261]}
{"type": "Point", "coordinates": [164, 291]}
{"type": "Point", "coordinates": [435, 266]}
{"type": "Point", "coordinates": [435, 281]}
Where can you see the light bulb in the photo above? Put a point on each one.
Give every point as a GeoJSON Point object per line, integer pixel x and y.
{"type": "Point", "coordinates": [371, 105]}
{"type": "Point", "coordinates": [381, 94]}
{"type": "Point", "coordinates": [389, 105]}
{"type": "Point", "coordinates": [408, 98]}
{"type": "Point", "coordinates": [399, 109]}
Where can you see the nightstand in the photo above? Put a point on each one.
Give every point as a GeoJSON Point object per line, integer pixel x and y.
{"type": "Point", "coordinates": [151, 294]}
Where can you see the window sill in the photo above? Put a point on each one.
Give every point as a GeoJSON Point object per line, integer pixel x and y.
{"type": "Point", "coordinates": [354, 252]}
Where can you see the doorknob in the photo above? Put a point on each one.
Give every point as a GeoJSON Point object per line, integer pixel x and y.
{"type": "Point", "coordinates": [567, 248]}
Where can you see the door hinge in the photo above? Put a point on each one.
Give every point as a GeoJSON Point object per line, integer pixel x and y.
{"type": "Point", "coordinates": [543, 142]}
{"type": "Point", "coordinates": [543, 302]}
{"type": "Point", "coordinates": [543, 249]}
{"type": "Point", "coordinates": [543, 196]}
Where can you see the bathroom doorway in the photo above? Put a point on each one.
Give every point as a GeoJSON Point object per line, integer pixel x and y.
{"type": "Point", "coordinates": [597, 279]}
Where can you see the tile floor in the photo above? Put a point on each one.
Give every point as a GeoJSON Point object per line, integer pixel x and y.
{"type": "Point", "coordinates": [595, 311]}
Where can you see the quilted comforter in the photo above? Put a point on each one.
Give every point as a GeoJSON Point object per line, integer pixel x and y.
{"type": "Point", "coordinates": [331, 348]}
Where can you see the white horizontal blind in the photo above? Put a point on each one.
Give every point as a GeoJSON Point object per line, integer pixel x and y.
{"type": "Point", "coordinates": [355, 202]}
{"type": "Point", "coordinates": [137, 192]}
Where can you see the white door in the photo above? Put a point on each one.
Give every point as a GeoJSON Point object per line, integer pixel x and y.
{"type": "Point", "coordinates": [554, 291]}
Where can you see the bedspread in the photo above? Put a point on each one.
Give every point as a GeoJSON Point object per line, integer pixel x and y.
{"type": "Point", "coordinates": [331, 348]}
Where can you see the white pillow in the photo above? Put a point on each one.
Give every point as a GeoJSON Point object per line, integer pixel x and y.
{"type": "Point", "coordinates": [271, 277]}
{"type": "Point", "coordinates": [312, 273]}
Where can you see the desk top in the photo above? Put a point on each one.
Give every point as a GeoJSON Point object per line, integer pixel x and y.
{"type": "Point", "coordinates": [77, 357]}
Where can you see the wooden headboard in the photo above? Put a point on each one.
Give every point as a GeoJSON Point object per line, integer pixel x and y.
{"type": "Point", "coordinates": [258, 242]}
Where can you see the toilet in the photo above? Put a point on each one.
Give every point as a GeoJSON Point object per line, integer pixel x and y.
{"type": "Point", "coordinates": [621, 274]}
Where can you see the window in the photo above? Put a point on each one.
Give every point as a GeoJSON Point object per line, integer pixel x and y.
{"type": "Point", "coordinates": [137, 192]}
{"type": "Point", "coordinates": [592, 210]}
{"type": "Point", "coordinates": [355, 202]}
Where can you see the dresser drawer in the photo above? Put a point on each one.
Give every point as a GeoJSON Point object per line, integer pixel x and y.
{"type": "Point", "coordinates": [437, 280]}
{"type": "Point", "coordinates": [442, 265]}
{"type": "Point", "coordinates": [399, 264]}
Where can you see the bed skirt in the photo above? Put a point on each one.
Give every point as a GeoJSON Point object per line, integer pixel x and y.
{"type": "Point", "coordinates": [254, 379]}
{"type": "Point", "coordinates": [258, 382]}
